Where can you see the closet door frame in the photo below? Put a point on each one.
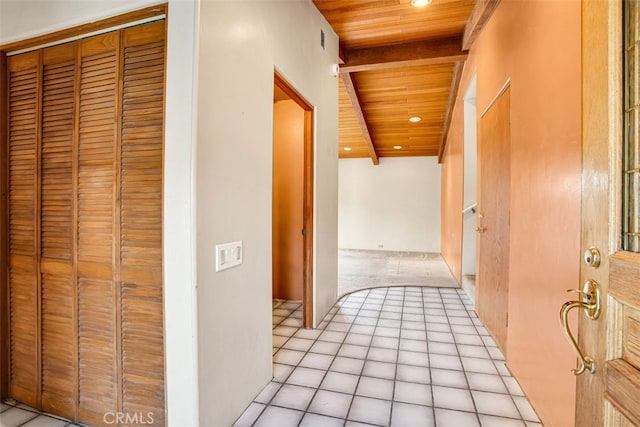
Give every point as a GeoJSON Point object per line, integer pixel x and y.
{"type": "Point", "coordinates": [65, 35]}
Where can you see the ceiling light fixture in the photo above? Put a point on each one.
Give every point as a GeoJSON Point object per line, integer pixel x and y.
{"type": "Point", "coordinates": [347, 148]}
{"type": "Point", "coordinates": [397, 147]}
{"type": "Point", "coordinates": [415, 119]}
{"type": "Point", "coordinates": [420, 3]}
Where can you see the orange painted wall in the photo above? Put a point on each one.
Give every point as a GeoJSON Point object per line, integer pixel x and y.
{"type": "Point", "coordinates": [288, 179]}
{"type": "Point", "coordinates": [451, 207]}
{"type": "Point", "coordinates": [535, 45]}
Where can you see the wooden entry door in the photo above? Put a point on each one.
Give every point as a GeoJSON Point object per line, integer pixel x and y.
{"type": "Point", "coordinates": [84, 224]}
{"type": "Point", "coordinates": [492, 280]}
{"type": "Point", "coordinates": [608, 394]}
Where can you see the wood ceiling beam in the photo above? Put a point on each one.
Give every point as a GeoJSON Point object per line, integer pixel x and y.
{"type": "Point", "coordinates": [426, 52]}
{"type": "Point", "coordinates": [453, 95]}
{"type": "Point", "coordinates": [352, 91]}
{"type": "Point", "coordinates": [482, 11]}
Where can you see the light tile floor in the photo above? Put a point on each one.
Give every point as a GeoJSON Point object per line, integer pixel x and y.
{"type": "Point", "coordinates": [397, 356]}
{"type": "Point", "coordinates": [14, 414]}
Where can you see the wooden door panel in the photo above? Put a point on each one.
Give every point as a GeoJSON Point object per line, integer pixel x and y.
{"type": "Point", "coordinates": [57, 231]}
{"type": "Point", "coordinates": [24, 81]}
{"type": "Point", "coordinates": [141, 221]}
{"type": "Point", "coordinates": [493, 243]}
{"type": "Point", "coordinates": [98, 313]}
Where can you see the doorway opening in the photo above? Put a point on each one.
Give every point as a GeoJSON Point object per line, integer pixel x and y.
{"type": "Point", "coordinates": [292, 242]}
{"type": "Point", "coordinates": [470, 192]}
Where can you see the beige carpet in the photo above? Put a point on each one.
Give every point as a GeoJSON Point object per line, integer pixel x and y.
{"type": "Point", "coordinates": [358, 269]}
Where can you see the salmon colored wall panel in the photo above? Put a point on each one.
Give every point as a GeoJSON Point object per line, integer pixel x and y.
{"type": "Point", "coordinates": [536, 46]}
{"type": "Point", "coordinates": [288, 179]}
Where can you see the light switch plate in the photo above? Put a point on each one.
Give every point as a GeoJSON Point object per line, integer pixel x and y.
{"type": "Point", "coordinates": [228, 255]}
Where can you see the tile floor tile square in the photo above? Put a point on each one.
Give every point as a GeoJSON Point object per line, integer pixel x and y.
{"type": "Point", "coordinates": [389, 323]}
{"type": "Point", "coordinates": [382, 331]}
{"type": "Point", "coordinates": [476, 351]}
{"type": "Point", "coordinates": [325, 347]}
{"type": "Point", "coordinates": [365, 321]}
{"type": "Point", "coordinates": [338, 326]}
{"type": "Point", "coordinates": [413, 358]}
{"type": "Point", "coordinates": [278, 341]}
{"type": "Point", "coordinates": [513, 386]}
{"type": "Point", "coordinates": [413, 334]}
{"type": "Point", "coordinates": [495, 353]}
{"type": "Point", "coordinates": [495, 404]}
{"type": "Point", "coordinates": [452, 398]}
{"type": "Point", "coordinates": [419, 394]}
{"type": "Point", "coordinates": [288, 357]}
{"type": "Point", "coordinates": [382, 355]}
{"type": "Point", "coordinates": [443, 361]}
{"type": "Point", "coordinates": [468, 339]}
{"type": "Point", "coordinates": [379, 369]}
{"type": "Point", "coordinates": [306, 377]}
{"type": "Point", "coordinates": [390, 315]}
{"type": "Point", "coordinates": [347, 365]}
{"type": "Point", "coordinates": [285, 331]}
{"type": "Point", "coordinates": [354, 351]}
{"type": "Point", "coordinates": [330, 403]}
{"type": "Point", "coordinates": [413, 345]}
{"type": "Point", "coordinates": [485, 366]}
{"type": "Point", "coordinates": [372, 411]}
{"type": "Point", "coordinates": [385, 342]}
{"type": "Point", "coordinates": [281, 372]}
{"type": "Point", "coordinates": [279, 417]}
{"type": "Point", "coordinates": [362, 329]}
{"type": "Point", "coordinates": [448, 378]}
{"type": "Point", "coordinates": [438, 327]}
{"type": "Point", "coordinates": [375, 387]}
{"type": "Point", "coordinates": [407, 415]}
{"type": "Point", "coordinates": [338, 381]}
{"type": "Point", "coordinates": [440, 337]}
{"type": "Point", "coordinates": [486, 382]}
{"type": "Point", "coordinates": [358, 339]}
{"type": "Point", "coordinates": [413, 374]}
{"type": "Point", "coordinates": [446, 417]}
{"type": "Point", "coordinates": [250, 415]}
{"type": "Point", "coordinates": [525, 409]}
{"type": "Point", "coordinates": [299, 344]}
{"type": "Point", "coordinates": [418, 326]}
{"type": "Point", "coordinates": [268, 392]}
{"type": "Point", "coordinates": [45, 421]}
{"type": "Point", "coordinates": [443, 348]}
{"type": "Point", "coordinates": [315, 420]}
{"type": "Point", "coordinates": [293, 397]}
{"type": "Point", "coordinates": [317, 361]}
{"type": "Point", "coordinates": [491, 421]}
{"type": "Point", "coordinates": [332, 336]}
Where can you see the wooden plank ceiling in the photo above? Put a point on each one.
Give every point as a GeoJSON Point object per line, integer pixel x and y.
{"type": "Point", "coordinates": [399, 61]}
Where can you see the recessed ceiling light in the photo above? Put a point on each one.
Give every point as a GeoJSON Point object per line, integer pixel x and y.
{"type": "Point", "coordinates": [397, 147]}
{"type": "Point", "coordinates": [347, 148]}
{"type": "Point", "coordinates": [420, 3]}
{"type": "Point", "coordinates": [415, 119]}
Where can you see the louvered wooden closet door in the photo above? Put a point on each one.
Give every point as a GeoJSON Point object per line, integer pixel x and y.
{"type": "Point", "coordinates": [86, 124]}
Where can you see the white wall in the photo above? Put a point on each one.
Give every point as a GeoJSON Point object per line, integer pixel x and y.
{"type": "Point", "coordinates": [393, 206]}
{"type": "Point", "coordinates": [20, 19]}
{"type": "Point", "coordinates": [240, 44]}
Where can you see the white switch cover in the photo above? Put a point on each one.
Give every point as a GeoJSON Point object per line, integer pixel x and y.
{"type": "Point", "coordinates": [228, 255]}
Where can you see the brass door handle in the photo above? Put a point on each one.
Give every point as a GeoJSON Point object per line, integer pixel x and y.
{"type": "Point", "coordinates": [481, 229]}
{"type": "Point", "coordinates": [590, 303]}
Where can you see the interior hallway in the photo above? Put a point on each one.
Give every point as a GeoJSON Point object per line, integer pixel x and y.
{"type": "Point", "coordinates": [393, 356]}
